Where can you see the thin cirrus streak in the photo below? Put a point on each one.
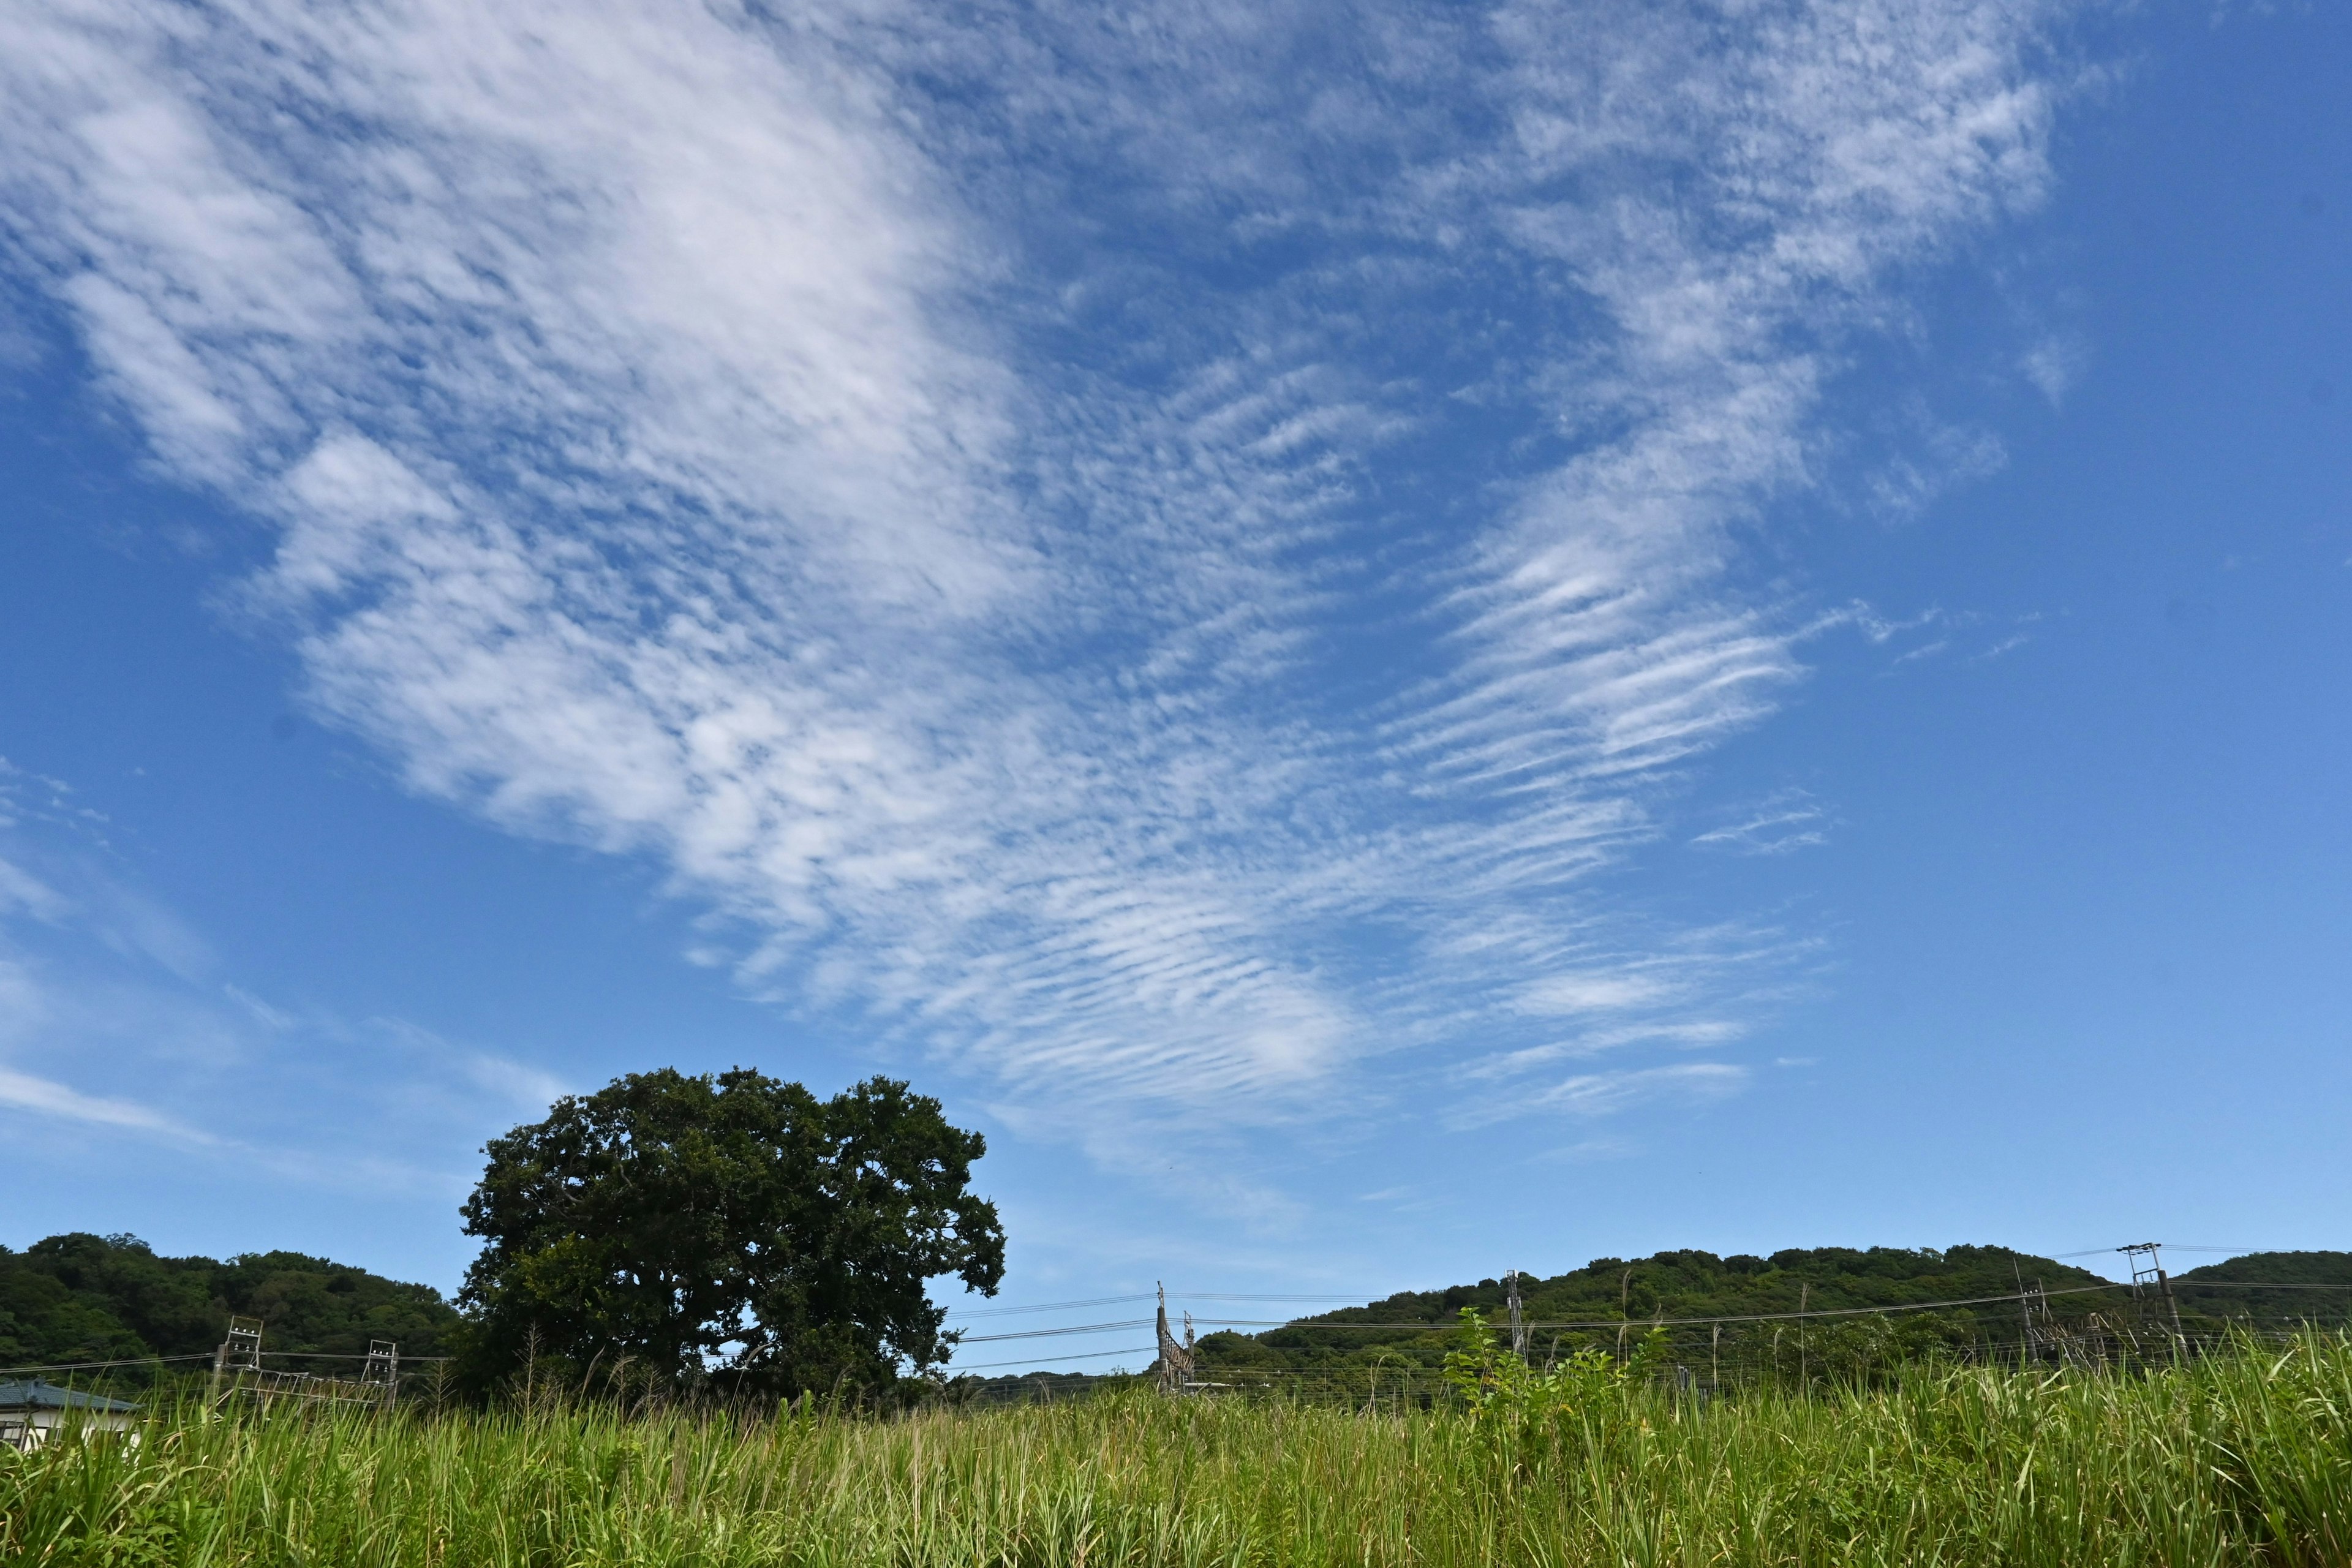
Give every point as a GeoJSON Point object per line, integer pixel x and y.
{"type": "Point", "coordinates": [103, 984]}
{"type": "Point", "coordinates": [684, 436]}
{"type": "Point", "coordinates": [23, 1091]}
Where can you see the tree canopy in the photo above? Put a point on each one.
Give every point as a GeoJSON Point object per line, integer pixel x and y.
{"type": "Point", "coordinates": [733, 1228]}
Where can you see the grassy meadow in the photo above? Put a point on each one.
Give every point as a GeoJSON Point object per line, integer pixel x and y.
{"type": "Point", "coordinates": [2240, 1458]}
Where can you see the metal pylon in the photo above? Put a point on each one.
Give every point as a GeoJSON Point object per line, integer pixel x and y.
{"type": "Point", "coordinates": [2152, 1287]}
{"type": "Point", "coordinates": [1175, 1356]}
{"type": "Point", "coordinates": [381, 1371]}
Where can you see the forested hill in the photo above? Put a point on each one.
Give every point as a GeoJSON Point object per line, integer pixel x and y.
{"type": "Point", "coordinates": [2276, 1268]}
{"type": "Point", "coordinates": [2271, 1288]}
{"type": "Point", "coordinates": [87, 1297]}
{"type": "Point", "coordinates": [1584, 1306]}
{"type": "Point", "coordinates": [1694, 1284]}
{"type": "Point", "coordinates": [1701, 1285]}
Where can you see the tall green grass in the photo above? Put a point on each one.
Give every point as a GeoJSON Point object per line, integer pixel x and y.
{"type": "Point", "coordinates": [2238, 1459]}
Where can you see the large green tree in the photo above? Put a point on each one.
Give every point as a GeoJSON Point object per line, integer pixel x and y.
{"type": "Point", "coordinates": [734, 1228]}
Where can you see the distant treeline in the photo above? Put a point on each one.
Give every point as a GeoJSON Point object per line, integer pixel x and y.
{"type": "Point", "coordinates": [1611, 1303]}
{"type": "Point", "coordinates": [83, 1298]}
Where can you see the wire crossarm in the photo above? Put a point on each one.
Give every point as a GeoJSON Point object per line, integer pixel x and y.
{"type": "Point", "coordinates": [237, 1370]}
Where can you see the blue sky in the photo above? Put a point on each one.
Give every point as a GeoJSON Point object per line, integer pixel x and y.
{"type": "Point", "coordinates": [1390, 641]}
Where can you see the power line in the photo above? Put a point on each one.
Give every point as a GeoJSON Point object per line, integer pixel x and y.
{"type": "Point", "coordinates": [2168, 1247]}
{"type": "Point", "coordinates": [1848, 1311]}
{"type": "Point", "coordinates": [1040, 1361]}
{"type": "Point", "coordinates": [1431, 1327]}
{"type": "Point", "coordinates": [340, 1355]}
{"type": "Point", "coordinates": [1049, 1333]}
{"type": "Point", "coordinates": [2179, 1283]}
{"type": "Point", "coordinates": [91, 1365]}
{"type": "Point", "coordinates": [1147, 1296]}
{"type": "Point", "coordinates": [1214, 1296]}
{"type": "Point", "coordinates": [1044, 1307]}
{"type": "Point", "coordinates": [1309, 1324]}
{"type": "Point", "coordinates": [267, 1355]}
{"type": "Point", "coordinates": [1753, 1317]}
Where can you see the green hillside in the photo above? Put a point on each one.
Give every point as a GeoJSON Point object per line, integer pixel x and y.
{"type": "Point", "coordinates": [2271, 1288]}
{"type": "Point", "coordinates": [84, 1298]}
{"type": "Point", "coordinates": [1611, 1303]}
{"type": "Point", "coordinates": [2277, 1267]}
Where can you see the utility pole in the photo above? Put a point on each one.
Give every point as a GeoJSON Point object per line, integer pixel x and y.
{"type": "Point", "coordinates": [240, 1351]}
{"type": "Point", "coordinates": [1518, 1329]}
{"type": "Point", "coordinates": [2148, 1270]}
{"type": "Point", "coordinates": [2025, 1347]}
{"type": "Point", "coordinates": [1175, 1362]}
{"type": "Point", "coordinates": [1804, 1335]}
{"type": "Point", "coordinates": [381, 1371]}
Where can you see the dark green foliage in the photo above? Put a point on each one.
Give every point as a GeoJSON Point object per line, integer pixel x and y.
{"type": "Point", "coordinates": [2268, 1289]}
{"type": "Point", "coordinates": [83, 1298]}
{"type": "Point", "coordinates": [736, 1228]}
{"type": "Point", "coordinates": [2277, 1267]}
{"type": "Point", "coordinates": [1584, 1308]}
{"type": "Point", "coordinates": [1691, 1284]}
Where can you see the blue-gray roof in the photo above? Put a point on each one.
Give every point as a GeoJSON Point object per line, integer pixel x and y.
{"type": "Point", "coordinates": [35, 1394]}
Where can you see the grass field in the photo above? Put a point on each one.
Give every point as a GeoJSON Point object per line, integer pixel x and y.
{"type": "Point", "coordinates": [2244, 1457]}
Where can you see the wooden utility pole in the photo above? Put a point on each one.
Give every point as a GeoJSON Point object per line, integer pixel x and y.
{"type": "Point", "coordinates": [1518, 1329]}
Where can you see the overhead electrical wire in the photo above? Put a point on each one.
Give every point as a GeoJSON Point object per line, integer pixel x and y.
{"type": "Point", "coordinates": [1144, 1295]}
{"type": "Point", "coordinates": [1390, 1327]}
{"type": "Point", "coordinates": [91, 1365]}
{"type": "Point", "coordinates": [1046, 1307]}
{"type": "Point", "coordinates": [1604, 1323]}
{"type": "Point", "coordinates": [1050, 1334]}
{"type": "Point", "coordinates": [1040, 1361]}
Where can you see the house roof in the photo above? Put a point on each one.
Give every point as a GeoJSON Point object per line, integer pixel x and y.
{"type": "Point", "coordinates": [35, 1394]}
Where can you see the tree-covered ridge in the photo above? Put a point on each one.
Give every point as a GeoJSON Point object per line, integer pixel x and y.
{"type": "Point", "coordinates": [2275, 1268]}
{"type": "Point", "coordinates": [1692, 1284]}
{"type": "Point", "coordinates": [1586, 1306]}
{"type": "Point", "coordinates": [2281, 1293]}
{"type": "Point", "coordinates": [82, 1298]}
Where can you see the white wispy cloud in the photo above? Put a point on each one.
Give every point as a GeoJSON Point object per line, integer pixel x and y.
{"type": "Point", "coordinates": [23, 1091]}
{"type": "Point", "coordinates": [112, 1032]}
{"type": "Point", "coordinates": [1608, 1093]}
{"type": "Point", "coordinates": [2055, 365]}
{"type": "Point", "coordinates": [22, 892]}
{"type": "Point", "coordinates": [1780, 824]}
{"type": "Point", "coordinates": [971, 539]}
{"type": "Point", "coordinates": [1600, 1094]}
